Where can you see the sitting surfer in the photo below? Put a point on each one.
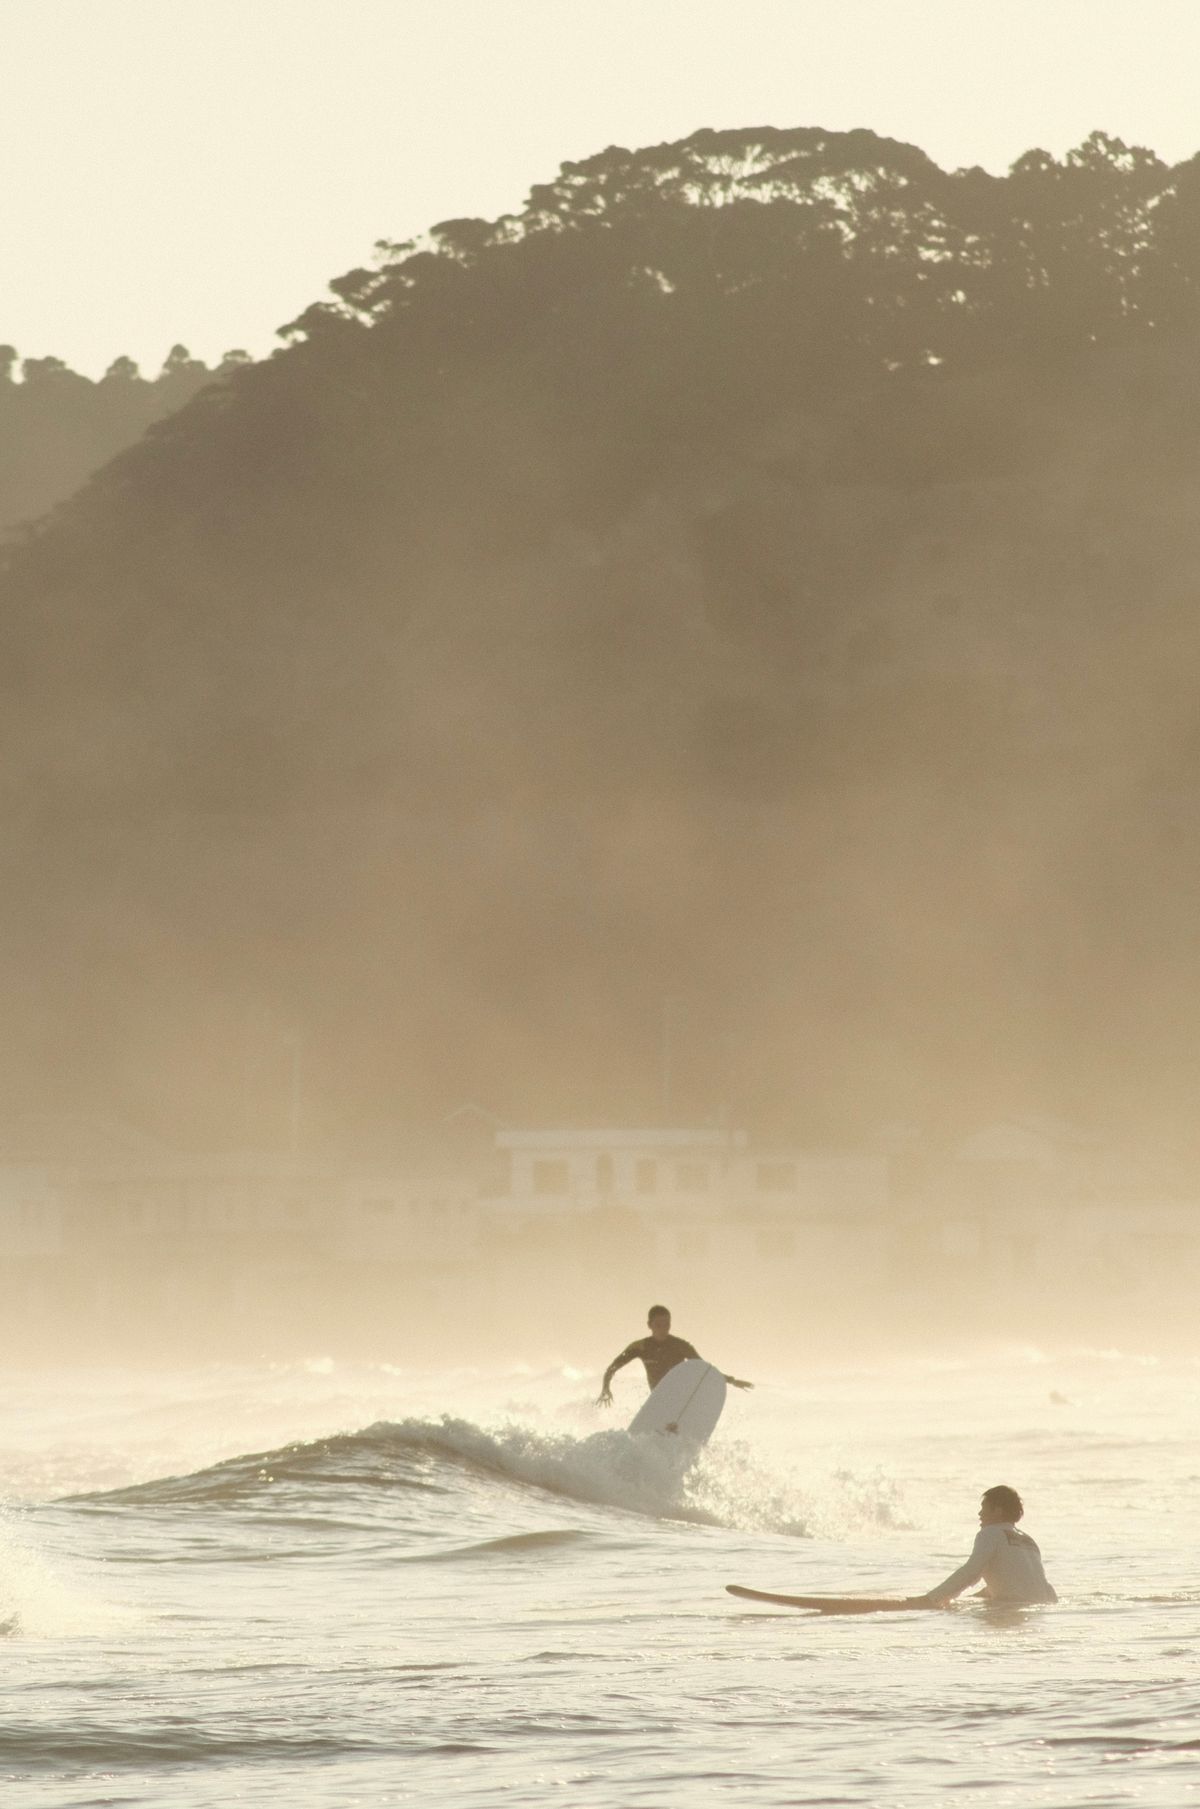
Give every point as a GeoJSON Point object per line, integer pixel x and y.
{"type": "Point", "coordinates": [660, 1352]}
{"type": "Point", "coordinates": [1006, 1561]}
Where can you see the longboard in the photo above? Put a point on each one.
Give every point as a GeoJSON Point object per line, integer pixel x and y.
{"type": "Point", "coordinates": [831, 1604]}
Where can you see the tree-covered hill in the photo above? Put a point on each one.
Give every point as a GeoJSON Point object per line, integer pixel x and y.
{"type": "Point", "coordinates": [57, 428]}
{"type": "Point", "coordinates": [753, 588]}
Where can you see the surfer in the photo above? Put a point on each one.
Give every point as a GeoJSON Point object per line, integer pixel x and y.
{"type": "Point", "coordinates": [1005, 1560]}
{"type": "Point", "coordinates": [660, 1352]}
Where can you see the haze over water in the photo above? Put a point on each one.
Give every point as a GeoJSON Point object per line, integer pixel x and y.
{"type": "Point", "coordinates": [647, 751]}
{"type": "Point", "coordinates": [361, 1585]}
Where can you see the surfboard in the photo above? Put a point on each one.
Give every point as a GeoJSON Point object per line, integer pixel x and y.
{"type": "Point", "coordinates": [687, 1402]}
{"type": "Point", "coordinates": [832, 1604]}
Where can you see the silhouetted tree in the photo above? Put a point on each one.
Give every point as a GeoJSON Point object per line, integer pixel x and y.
{"type": "Point", "coordinates": [759, 568]}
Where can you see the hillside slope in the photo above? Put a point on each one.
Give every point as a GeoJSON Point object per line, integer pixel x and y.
{"type": "Point", "coordinates": [58, 428]}
{"type": "Point", "coordinates": [759, 577]}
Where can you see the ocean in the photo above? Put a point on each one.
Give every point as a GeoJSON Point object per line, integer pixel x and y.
{"type": "Point", "coordinates": [328, 1584]}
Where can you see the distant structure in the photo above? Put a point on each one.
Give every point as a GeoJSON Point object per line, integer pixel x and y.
{"type": "Point", "coordinates": [138, 1243]}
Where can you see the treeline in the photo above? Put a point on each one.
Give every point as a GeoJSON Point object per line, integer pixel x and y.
{"type": "Point", "coordinates": [58, 427]}
{"type": "Point", "coordinates": [754, 588]}
{"type": "Point", "coordinates": [737, 272]}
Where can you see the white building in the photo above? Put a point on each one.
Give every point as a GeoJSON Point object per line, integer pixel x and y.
{"type": "Point", "coordinates": [701, 1173]}
{"type": "Point", "coordinates": [555, 1171]}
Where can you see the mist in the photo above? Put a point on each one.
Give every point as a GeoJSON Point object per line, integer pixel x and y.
{"type": "Point", "coordinates": [599, 975]}
{"type": "Point", "coordinates": [709, 653]}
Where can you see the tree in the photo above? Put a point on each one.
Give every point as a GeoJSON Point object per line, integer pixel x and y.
{"type": "Point", "coordinates": [122, 370]}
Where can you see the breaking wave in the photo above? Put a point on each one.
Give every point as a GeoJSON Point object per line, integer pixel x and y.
{"type": "Point", "coordinates": [643, 1476]}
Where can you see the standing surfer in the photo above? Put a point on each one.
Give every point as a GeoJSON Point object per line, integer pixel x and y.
{"type": "Point", "coordinates": [660, 1353]}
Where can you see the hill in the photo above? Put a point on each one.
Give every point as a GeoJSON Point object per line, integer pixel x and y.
{"type": "Point", "coordinates": [57, 428]}
{"type": "Point", "coordinates": [753, 586]}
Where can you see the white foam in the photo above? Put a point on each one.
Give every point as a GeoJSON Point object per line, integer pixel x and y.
{"type": "Point", "coordinates": [48, 1598]}
{"type": "Point", "coordinates": [723, 1484]}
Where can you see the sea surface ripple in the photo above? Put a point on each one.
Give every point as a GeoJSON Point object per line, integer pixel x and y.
{"type": "Point", "coordinates": [347, 1585]}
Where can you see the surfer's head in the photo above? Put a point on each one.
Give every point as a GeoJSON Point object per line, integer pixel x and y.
{"type": "Point", "coordinates": [1000, 1505]}
{"type": "Point", "coordinates": [659, 1321]}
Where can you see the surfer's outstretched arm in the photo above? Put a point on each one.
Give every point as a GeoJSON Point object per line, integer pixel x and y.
{"type": "Point", "coordinates": [966, 1574]}
{"type": "Point", "coordinates": [604, 1398]}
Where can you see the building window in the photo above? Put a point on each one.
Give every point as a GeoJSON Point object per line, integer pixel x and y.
{"type": "Point", "coordinates": [645, 1175]}
{"type": "Point", "coordinates": [604, 1174]}
{"type": "Point", "coordinates": [550, 1177]}
{"type": "Point", "coordinates": [776, 1177]}
{"type": "Point", "coordinates": [691, 1177]}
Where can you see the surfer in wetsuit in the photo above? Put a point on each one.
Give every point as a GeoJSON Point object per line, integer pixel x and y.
{"type": "Point", "coordinates": [660, 1352]}
{"type": "Point", "coordinates": [1006, 1561]}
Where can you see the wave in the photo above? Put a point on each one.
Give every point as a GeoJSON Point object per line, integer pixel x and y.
{"type": "Point", "coordinates": [413, 1462]}
{"type": "Point", "coordinates": [511, 1545]}
{"type": "Point", "coordinates": [31, 1748]}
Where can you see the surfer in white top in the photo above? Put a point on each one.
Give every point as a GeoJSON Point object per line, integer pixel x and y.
{"type": "Point", "coordinates": [1006, 1561]}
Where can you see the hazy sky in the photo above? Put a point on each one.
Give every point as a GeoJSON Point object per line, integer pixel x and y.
{"type": "Point", "coordinates": [196, 170]}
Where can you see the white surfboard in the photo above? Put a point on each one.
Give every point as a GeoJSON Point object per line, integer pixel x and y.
{"type": "Point", "coordinates": [686, 1404]}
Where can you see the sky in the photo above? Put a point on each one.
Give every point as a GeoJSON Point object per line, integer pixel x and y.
{"type": "Point", "coordinates": [195, 171]}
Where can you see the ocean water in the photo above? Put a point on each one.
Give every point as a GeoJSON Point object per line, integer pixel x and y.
{"type": "Point", "coordinates": [326, 1585]}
